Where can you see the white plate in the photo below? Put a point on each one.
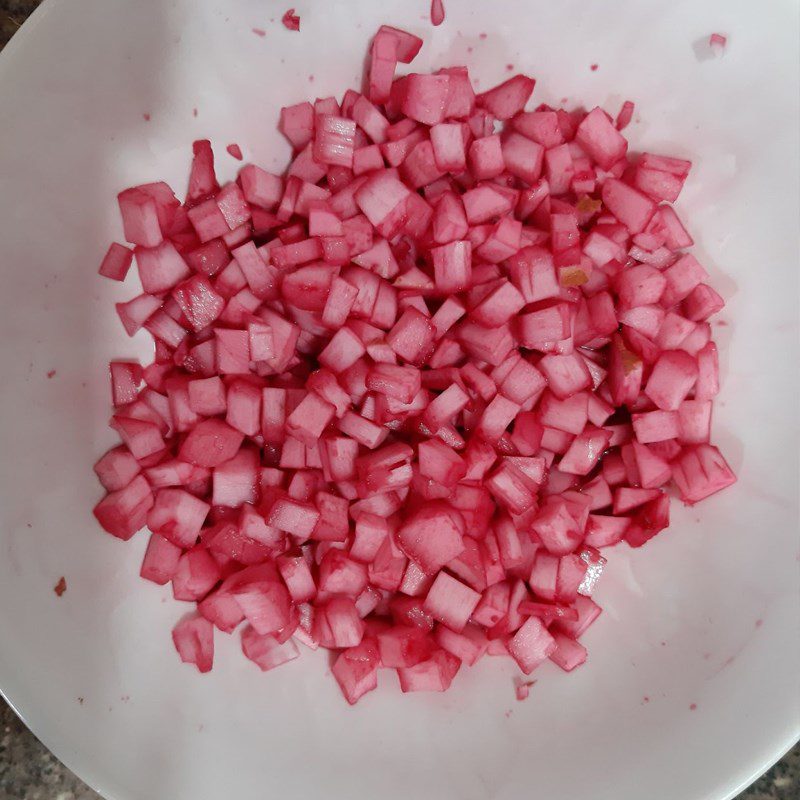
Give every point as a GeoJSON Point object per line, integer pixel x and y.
{"type": "Point", "coordinates": [706, 614]}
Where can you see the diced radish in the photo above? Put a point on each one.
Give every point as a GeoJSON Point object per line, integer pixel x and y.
{"type": "Point", "coordinates": [653, 470]}
{"type": "Point", "coordinates": [364, 431]}
{"type": "Point", "coordinates": [117, 468]}
{"type": "Point", "coordinates": [509, 98]}
{"type": "Point", "coordinates": [202, 180]}
{"type": "Point", "coordinates": [356, 671]}
{"type": "Point", "coordinates": [334, 140]}
{"type": "Point", "coordinates": [404, 646]}
{"type": "Point", "coordinates": [210, 443]}
{"type": "Point", "coordinates": [568, 653]}
{"type": "Point", "coordinates": [557, 528]}
{"type": "Point", "coordinates": [531, 645]}
{"type": "Point", "coordinates": [412, 336]}
{"type": "Point", "coordinates": [177, 516]}
{"type": "Point", "coordinates": [671, 380]}
{"type": "Point", "coordinates": [401, 383]}
{"type": "Point", "coordinates": [310, 418]}
{"type": "Point", "coordinates": [140, 217]}
{"type": "Point", "coordinates": [160, 267]}
{"type": "Point", "coordinates": [598, 136]}
{"type": "Point", "coordinates": [485, 202]}
{"type": "Point", "coordinates": [588, 612]}
{"type": "Point", "coordinates": [434, 675]}
{"type": "Point", "coordinates": [585, 451]}
{"type": "Point", "coordinates": [452, 266]}
{"type": "Point", "coordinates": [604, 531]}
{"type": "Point", "coordinates": [625, 115]}
{"type": "Point", "coordinates": [433, 536]}
{"type": "Point", "coordinates": [125, 379]}
{"type": "Point", "coordinates": [293, 517]}
{"type": "Point", "coordinates": [116, 262]}
{"type": "Point", "coordinates": [193, 637]}
{"type": "Point", "coordinates": [198, 301]}
{"type": "Point", "coordinates": [142, 437]}
{"type": "Point", "coordinates": [629, 206]}
{"type": "Point", "coordinates": [266, 605]}
{"type": "Point", "coordinates": [700, 472]}
{"type": "Point", "coordinates": [447, 140]}
{"type": "Point", "coordinates": [160, 560]}
{"type": "Point", "coordinates": [499, 306]}
{"type": "Point", "coordinates": [266, 651]}
{"type": "Point", "coordinates": [497, 416]}
{"type": "Point", "coordinates": [425, 97]}
{"type": "Point", "coordinates": [337, 624]}
{"type": "Point", "coordinates": [195, 575]}
{"type": "Point", "coordinates": [235, 481]}
{"type": "Point", "coordinates": [297, 124]}
{"type": "Point", "coordinates": [136, 312]}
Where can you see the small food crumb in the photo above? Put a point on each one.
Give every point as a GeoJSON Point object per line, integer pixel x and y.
{"type": "Point", "coordinates": [593, 67]}
{"type": "Point", "coordinates": [61, 586]}
{"type": "Point", "coordinates": [509, 67]}
{"type": "Point", "coordinates": [481, 35]}
{"type": "Point", "coordinates": [311, 79]}
{"type": "Point", "coordinates": [259, 31]}
{"type": "Point", "coordinates": [291, 21]}
{"type": "Point", "coordinates": [80, 700]}
{"type": "Point", "coordinates": [235, 151]}
{"type": "Point", "coordinates": [51, 373]}
{"type": "Point", "coordinates": [194, 112]}
{"type": "Point", "coordinates": [146, 117]}
{"type": "Point", "coordinates": [693, 707]}
{"type": "Point", "coordinates": [717, 42]}
{"type": "Point", "coordinates": [437, 12]}
{"type": "Point", "coordinates": [645, 700]}
{"type": "Point", "coordinates": [522, 689]}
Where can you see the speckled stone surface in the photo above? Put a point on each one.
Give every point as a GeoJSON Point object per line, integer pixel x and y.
{"type": "Point", "coordinates": [28, 771]}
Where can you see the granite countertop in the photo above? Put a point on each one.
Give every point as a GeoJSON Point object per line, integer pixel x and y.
{"type": "Point", "coordinates": [28, 771]}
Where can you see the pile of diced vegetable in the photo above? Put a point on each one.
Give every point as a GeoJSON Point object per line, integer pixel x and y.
{"type": "Point", "coordinates": [405, 394]}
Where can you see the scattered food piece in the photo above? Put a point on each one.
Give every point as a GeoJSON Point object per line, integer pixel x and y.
{"type": "Point", "coordinates": [235, 151]}
{"type": "Point", "coordinates": [625, 115]}
{"type": "Point", "coordinates": [60, 587]}
{"type": "Point", "coordinates": [259, 32]}
{"type": "Point", "coordinates": [291, 21]}
{"type": "Point", "coordinates": [523, 689]}
{"type": "Point", "coordinates": [717, 42]}
{"type": "Point", "coordinates": [437, 12]}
